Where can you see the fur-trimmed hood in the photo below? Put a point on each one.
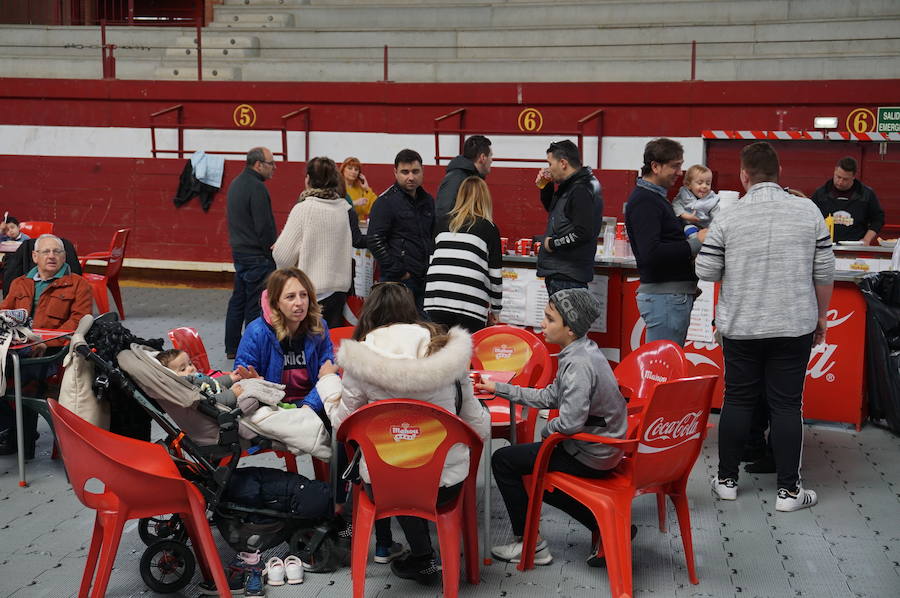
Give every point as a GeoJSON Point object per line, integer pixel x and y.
{"type": "Point", "coordinates": [389, 358]}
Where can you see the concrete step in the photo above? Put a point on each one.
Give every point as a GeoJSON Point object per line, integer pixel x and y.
{"type": "Point", "coordinates": [789, 67]}
{"type": "Point", "coordinates": [432, 16]}
{"type": "Point", "coordinates": [188, 73]}
{"type": "Point", "coordinates": [243, 19]}
{"type": "Point", "coordinates": [216, 45]}
{"type": "Point", "coordinates": [34, 40]}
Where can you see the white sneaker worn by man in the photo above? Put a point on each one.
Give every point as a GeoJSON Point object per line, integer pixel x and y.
{"type": "Point", "coordinates": [724, 489]}
{"type": "Point", "coordinates": [794, 501]}
{"type": "Point", "coordinates": [512, 553]}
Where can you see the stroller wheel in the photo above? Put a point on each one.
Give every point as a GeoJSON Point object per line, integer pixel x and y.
{"type": "Point", "coordinates": [167, 566]}
{"type": "Point", "coordinates": [318, 549]}
{"type": "Point", "coordinates": [162, 527]}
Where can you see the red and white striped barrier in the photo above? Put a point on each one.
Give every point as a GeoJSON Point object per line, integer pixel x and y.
{"type": "Point", "coordinates": [801, 135]}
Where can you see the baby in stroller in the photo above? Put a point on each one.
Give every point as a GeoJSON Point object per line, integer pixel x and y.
{"type": "Point", "coordinates": [254, 508]}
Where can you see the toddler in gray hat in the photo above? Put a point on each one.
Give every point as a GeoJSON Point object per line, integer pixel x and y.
{"type": "Point", "coordinates": [588, 398]}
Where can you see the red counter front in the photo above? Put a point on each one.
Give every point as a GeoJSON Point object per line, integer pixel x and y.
{"type": "Point", "coordinates": [835, 375]}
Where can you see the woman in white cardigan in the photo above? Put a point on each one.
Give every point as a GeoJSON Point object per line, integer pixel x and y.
{"type": "Point", "coordinates": [318, 240]}
{"type": "Point", "coordinates": [394, 354]}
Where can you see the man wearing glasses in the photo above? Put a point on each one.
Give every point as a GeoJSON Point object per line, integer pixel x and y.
{"type": "Point", "coordinates": [56, 299]}
{"type": "Point", "coordinates": [251, 233]}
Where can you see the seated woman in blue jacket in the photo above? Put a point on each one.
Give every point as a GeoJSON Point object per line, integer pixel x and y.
{"type": "Point", "coordinates": [289, 344]}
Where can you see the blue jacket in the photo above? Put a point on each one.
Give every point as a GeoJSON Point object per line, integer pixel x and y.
{"type": "Point", "coordinates": [260, 348]}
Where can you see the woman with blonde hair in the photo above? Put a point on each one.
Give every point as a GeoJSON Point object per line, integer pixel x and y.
{"type": "Point", "coordinates": [356, 188]}
{"type": "Point", "coordinates": [289, 344]}
{"type": "Point", "coordinates": [463, 285]}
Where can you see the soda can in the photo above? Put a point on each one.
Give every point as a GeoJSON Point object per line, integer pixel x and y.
{"type": "Point", "coordinates": [504, 242]}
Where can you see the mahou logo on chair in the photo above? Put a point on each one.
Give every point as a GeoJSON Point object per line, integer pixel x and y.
{"type": "Point", "coordinates": [664, 434]}
{"type": "Point", "coordinates": [404, 431]}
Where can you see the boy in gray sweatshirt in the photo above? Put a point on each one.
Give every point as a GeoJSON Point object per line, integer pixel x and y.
{"type": "Point", "coordinates": [588, 398]}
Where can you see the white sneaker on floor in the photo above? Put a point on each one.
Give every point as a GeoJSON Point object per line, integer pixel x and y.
{"type": "Point", "coordinates": [803, 499]}
{"type": "Point", "coordinates": [512, 553]}
{"type": "Point", "coordinates": [724, 489]}
{"type": "Point", "coordinates": [275, 571]}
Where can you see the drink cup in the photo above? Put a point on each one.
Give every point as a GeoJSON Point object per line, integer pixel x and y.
{"type": "Point", "coordinates": [545, 178]}
{"type": "Point", "coordinates": [504, 242]}
{"type": "Point", "coordinates": [537, 248]}
{"type": "Point", "coordinates": [523, 246]}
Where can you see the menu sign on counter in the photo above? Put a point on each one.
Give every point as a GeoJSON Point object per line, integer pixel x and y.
{"type": "Point", "coordinates": [525, 296]}
{"type": "Point", "coordinates": [701, 329]}
{"type": "Point", "coordinates": [364, 272]}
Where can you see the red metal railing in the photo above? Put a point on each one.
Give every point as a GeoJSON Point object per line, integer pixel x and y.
{"type": "Point", "coordinates": [461, 130]}
{"type": "Point", "coordinates": [180, 126]}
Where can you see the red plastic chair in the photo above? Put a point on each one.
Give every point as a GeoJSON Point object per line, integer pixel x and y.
{"type": "Point", "coordinates": [338, 334]}
{"type": "Point", "coordinates": [405, 440]}
{"type": "Point", "coordinates": [110, 280]}
{"type": "Point", "coordinates": [36, 228]}
{"type": "Point", "coordinates": [510, 349]}
{"type": "Point", "coordinates": [187, 339]}
{"type": "Point", "coordinates": [649, 365]}
{"type": "Point", "coordinates": [139, 480]}
{"type": "Point", "coordinates": [659, 459]}
{"type": "Point", "coordinates": [639, 374]}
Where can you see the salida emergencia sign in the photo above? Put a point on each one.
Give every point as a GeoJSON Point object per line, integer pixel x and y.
{"type": "Point", "coordinates": [889, 120]}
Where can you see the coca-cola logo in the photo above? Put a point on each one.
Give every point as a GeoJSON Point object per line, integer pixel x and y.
{"type": "Point", "coordinates": [404, 431]}
{"type": "Point", "coordinates": [663, 434]}
{"type": "Point", "coordinates": [821, 359]}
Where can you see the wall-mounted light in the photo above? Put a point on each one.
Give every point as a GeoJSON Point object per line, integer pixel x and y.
{"type": "Point", "coordinates": [825, 122]}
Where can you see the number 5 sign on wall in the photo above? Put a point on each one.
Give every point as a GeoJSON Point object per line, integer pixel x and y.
{"type": "Point", "coordinates": [244, 115]}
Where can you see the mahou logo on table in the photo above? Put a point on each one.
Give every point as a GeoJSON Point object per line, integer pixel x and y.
{"type": "Point", "coordinates": [664, 434]}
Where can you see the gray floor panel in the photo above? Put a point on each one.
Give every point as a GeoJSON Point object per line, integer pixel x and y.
{"type": "Point", "coordinates": [848, 545]}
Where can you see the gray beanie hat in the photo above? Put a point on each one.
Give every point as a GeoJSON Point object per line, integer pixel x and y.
{"type": "Point", "coordinates": [578, 308]}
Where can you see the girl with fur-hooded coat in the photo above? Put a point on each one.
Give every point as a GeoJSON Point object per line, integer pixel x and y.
{"type": "Point", "coordinates": [391, 363]}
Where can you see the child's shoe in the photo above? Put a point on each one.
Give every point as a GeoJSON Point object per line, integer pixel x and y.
{"type": "Point", "coordinates": [275, 571]}
{"type": "Point", "coordinates": [253, 586]}
{"type": "Point", "coordinates": [293, 568]}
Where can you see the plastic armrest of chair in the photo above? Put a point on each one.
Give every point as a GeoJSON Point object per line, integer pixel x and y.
{"type": "Point", "coordinates": [97, 255]}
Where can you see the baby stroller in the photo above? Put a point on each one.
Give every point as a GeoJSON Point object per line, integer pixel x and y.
{"type": "Point", "coordinates": [203, 440]}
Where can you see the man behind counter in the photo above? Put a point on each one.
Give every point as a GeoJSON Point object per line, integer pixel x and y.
{"type": "Point", "coordinates": [857, 214]}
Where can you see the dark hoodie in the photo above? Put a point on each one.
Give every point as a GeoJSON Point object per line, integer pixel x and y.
{"type": "Point", "coordinates": [459, 169]}
{"type": "Point", "coordinates": [856, 211]}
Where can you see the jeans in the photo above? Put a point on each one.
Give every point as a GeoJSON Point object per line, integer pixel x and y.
{"type": "Point", "coordinates": [666, 315]}
{"type": "Point", "coordinates": [773, 369]}
{"type": "Point", "coordinates": [250, 273]}
{"type": "Point", "coordinates": [511, 463]}
{"type": "Point", "coordinates": [554, 284]}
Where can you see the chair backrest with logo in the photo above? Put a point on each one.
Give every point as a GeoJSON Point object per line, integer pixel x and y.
{"type": "Point", "coordinates": [511, 349]}
{"type": "Point", "coordinates": [405, 444]}
{"type": "Point", "coordinates": [36, 228]}
{"type": "Point", "coordinates": [117, 253]}
{"type": "Point", "coordinates": [672, 430]}
{"type": "Point", "coordinates": [649, 365]}
{"type": "Point", "coordinates": [187, 339]}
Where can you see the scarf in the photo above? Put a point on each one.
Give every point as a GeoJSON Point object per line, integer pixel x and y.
{"type": "Point", "coordinates": [320, 193]}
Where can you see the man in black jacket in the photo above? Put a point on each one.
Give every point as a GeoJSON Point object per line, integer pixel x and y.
{"type": "Point", "coordinates": [251, 233]}
{"type": "Point", "coordinates": [857, 214]}
{"type": "Point", "coordinates": [664, 254]}
{"type": "Point", "coordinates": [566, 258]}
{"type": "Point", "coordinates": [474, 161]}
{"type": "Point", "coordinates": [401, 226]}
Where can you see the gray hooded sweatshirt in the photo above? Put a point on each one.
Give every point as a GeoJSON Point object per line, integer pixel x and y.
{"type": "Point", "coordinates": [588, 398]}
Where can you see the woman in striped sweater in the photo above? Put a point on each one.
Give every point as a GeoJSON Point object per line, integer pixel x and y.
{"type": "Point", "coordinates": [463, 286]}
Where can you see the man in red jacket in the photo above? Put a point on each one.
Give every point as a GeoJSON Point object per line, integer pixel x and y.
{"type": "Point", "coordinates": [56, 299]}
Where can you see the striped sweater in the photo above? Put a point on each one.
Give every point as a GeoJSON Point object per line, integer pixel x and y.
{"type": "Point", "coordinates": [770, 250]}
{"type": "Point", "coordinates": [464, 273]}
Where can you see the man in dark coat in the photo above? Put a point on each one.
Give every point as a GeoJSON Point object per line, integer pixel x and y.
{"type": "Point", "coordinates": [474, 161]}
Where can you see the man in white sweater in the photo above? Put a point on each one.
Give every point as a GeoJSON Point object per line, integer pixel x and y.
{"type": "Point", "coordinates": [772, 253]}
